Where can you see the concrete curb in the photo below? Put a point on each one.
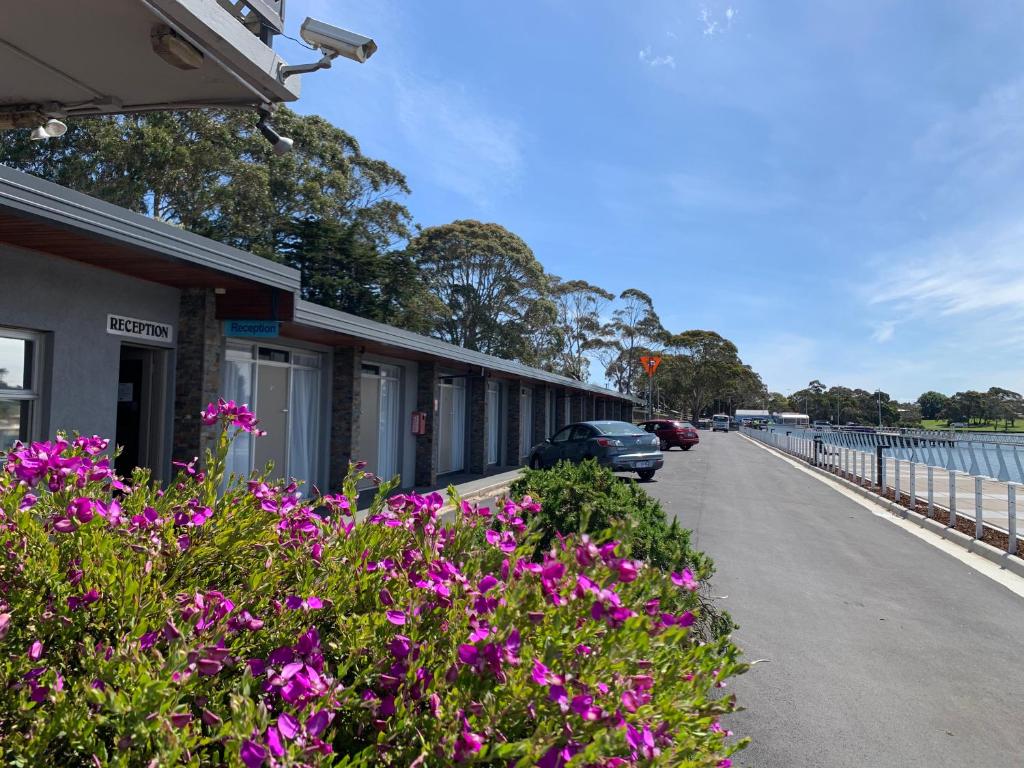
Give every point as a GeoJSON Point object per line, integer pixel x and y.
{"type": "Point", "coordinates": [1003, 559]}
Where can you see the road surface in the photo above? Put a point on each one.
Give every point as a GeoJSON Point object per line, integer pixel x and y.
{"type": "Point", "coordinates": [884, 651]}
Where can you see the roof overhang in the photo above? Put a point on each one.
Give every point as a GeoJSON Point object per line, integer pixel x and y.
{"type": "Point", "coordinates": [48, 218]}
{"type": "Point", "coordinates": [94, 57]}
{"type": "Point", "coordinates": [333, 328]}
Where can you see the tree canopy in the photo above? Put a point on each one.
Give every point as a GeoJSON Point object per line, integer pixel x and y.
{"type": "Point", "coordinates": [493, 294]}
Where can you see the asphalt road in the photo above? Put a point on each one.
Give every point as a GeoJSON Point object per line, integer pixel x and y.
{"type": "Point", "coordinates": [883, 651]}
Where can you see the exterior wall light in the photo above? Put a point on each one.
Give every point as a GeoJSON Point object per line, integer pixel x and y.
{"type": "Point", "coordinates": [174, 49]}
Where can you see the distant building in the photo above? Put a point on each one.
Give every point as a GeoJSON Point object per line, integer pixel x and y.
{"type": "Point", "coordinates": [743, 415]}
{"type": "Point", "coordinates": [793, 419]}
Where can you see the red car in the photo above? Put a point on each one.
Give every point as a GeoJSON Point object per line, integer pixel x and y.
{"type": "Point", "coordinates": [669, 433]}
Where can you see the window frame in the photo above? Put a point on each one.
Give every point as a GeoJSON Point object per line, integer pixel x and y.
{"type": "Point", "coordinates": [34, 394]}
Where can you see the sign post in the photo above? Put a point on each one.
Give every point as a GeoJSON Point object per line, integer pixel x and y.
{"type": "Point", "coordinates": [650, 364]}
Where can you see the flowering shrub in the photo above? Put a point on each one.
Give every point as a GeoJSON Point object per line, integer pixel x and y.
{"type": "Point", "coordinates": [252, 626]}
{"type": "Point", "coordinates": [589, 498]}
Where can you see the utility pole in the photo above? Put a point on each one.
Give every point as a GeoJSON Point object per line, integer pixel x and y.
{"type": "Point", "coordinates": [879, 393]}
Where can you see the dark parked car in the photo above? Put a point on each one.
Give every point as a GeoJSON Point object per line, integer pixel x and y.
{"type": "Point", "coordinates": [615, 444]}
{"type": "Point", "coordinates": [670, 433]}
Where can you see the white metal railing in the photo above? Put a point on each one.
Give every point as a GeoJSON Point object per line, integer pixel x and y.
{"type": "Point", "coordinates": [960, 499]}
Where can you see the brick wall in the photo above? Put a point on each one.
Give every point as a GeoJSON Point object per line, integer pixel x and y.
{"type": "Point", "coordinates": [426, 445]}
{"type": "Point", "coordinates": [513, 420]}
{"type": "Point", "coordinates": [540, 404]}
{"type": "Point", "coordinates": [476, 394]}
{"type": "Point", "coordinates": [346, 390]}
{"type": "Point", "coordinates": [197, 374]}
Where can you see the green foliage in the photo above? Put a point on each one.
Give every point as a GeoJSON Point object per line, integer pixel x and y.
{"type": "Point", "coordinates": [589, 498]}
{"type": "Point", "coordinates": [634, 330]}
{"type": "Point", "coordinates": [840, 405]}
{"type": "Point", "coordinates": [580, 306]}
{"type": "Point", "coordinates": [494, 295]}
{"type": "Point", "coordinates": [932, 404]}
{"type": "Point", "coordinates": [211, 625]}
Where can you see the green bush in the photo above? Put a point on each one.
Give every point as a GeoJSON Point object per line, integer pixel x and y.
{"type": "Point", "coordinates": [233, 623]}
{"type": "Point", "coordinates": [589, 498]}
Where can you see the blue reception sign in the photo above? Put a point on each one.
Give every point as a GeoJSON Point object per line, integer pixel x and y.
{"type": "Point", "coordinates": [253, 329]}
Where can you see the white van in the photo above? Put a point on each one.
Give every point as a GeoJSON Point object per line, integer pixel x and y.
{"type": "Point", "coordinates": [720, 421]}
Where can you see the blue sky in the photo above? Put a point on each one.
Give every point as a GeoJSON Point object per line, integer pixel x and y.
{"type": "Point", "coordinates": [833, 185]}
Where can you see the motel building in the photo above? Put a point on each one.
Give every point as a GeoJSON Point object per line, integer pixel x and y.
{"type": "Point", "coordinates": [115, 324]}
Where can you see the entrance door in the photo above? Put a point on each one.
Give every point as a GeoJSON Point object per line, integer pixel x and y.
{"type": "Point", "coordinates": [140, 410]}
{"type": "Point", "coordinates": [272, 407]}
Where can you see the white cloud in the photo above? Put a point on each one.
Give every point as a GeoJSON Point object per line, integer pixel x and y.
{"type": "Point", "coordinates": [884, 331]}
{"type": "Point", "coordinates": [647, 57]}
{"type": "Point", "coordinates": [717, 23]}
{"type": "Point", "coordinates": [978, 272]}
{"type": "Point", "coordinates": [465, 148]}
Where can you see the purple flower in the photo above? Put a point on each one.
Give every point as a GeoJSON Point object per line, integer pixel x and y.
{"type": "Point", "coordinates": [294, 603]}
{"type": "Point", "coordinates": [81, 508]}
{"type": "Point", "coordinates": [540, 674]}
{"type": "Point", "coordinates": [468, 654]}
{"type": "Point", "coordinates": [318, 722]}
{"type": "Point", "coordinates": [64, 525]}
{"type": "Point", "coordinates": [287, 725]}
{"type": "Point", "coordinates": [35, 651]}
{"type": "Point", "coordinates": [274, 743]}
{"type": "Point", "coordinates": [180, 719]}
{"type": "Point", "coordinates": [400, 646]}
{"type": "Point", "coordinates": [396, 617]}
{"type": "Point", "coordinates": [685, 580]}
{"type": "Point", "coordinates": [253, 755]}
{"type": "Point", "coordinates": [627, 570]}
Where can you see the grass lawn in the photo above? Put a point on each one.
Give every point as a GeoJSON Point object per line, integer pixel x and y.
{"type": "Point", "coordinates": [975, 427]}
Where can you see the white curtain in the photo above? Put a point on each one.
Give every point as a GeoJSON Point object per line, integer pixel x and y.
{"type": "Point", "coordinates": [304, 414]}
{"type": "Point", "coordinates": [387, 460]}
{"type": "Point", "coordinates": [458, 426]}
{"type": "Point", "coordinates": [238, 378]}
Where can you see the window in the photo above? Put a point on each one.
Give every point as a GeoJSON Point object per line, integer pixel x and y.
{"type": "Point", "coordinates": [619, 428]}
{"type": "Point", "coordinates": [562, 435]}
{"type": "Point", "coordinates": [19, 385]}
{"type": "Point", "coordinates": [581, 432]}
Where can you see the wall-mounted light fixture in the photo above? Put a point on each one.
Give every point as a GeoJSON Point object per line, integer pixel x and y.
{"type": "Point", "coordinates": [51, 129]}
{"type": "Point", "coordinates": [174, 49]}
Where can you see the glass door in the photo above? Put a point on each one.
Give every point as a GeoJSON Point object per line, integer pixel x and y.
{"type": "Point", "coordinates": [272, 409]}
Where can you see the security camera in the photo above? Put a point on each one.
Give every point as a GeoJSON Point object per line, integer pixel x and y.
{"type": "Point", "coordinates": [337, 41]}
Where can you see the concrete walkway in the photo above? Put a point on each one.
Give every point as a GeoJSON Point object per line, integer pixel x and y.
{"type": "Point", "coordinates": [882, 650]}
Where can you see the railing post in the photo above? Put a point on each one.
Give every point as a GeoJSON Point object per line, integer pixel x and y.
{"type": "Point", "coordinates": [979, 528]}
{"type": "Point", "coordinates": [931, 491]}
{"type": "Point", "coordinates": [913, 486]}
{"type": "Point", "coordinates": [880, 468]}
{"type": "Point", "coordinates": [952, 498]}
{"type": "Point", "coordinates": [896, 482]}
{"type": "Point", "coordinates": [817, 451]}
{"type": "Point", "coordinates": [1011, 518]}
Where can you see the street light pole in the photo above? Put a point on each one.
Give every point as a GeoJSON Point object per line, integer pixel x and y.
{"type": "Point", "coordinates": [879, 393]}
